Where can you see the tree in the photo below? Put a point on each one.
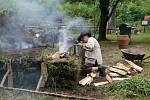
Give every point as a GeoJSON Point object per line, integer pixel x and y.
{"type": "Point", "coordinates": [105, 15]}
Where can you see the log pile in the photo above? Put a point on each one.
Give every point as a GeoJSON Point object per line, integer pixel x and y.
{"type": "Point", "coordinates": [120, 71]}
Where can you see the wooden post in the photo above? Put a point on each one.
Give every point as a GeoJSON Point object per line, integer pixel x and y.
{"type": "Point", "coordinates": [10, 79]}
{"type": "Point", "coordinates": [10, 76]}
{"type": "Point", "coordinates": [43, 77]}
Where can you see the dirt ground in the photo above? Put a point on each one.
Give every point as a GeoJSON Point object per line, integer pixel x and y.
{"type": "Point", "coordinates": [111, 54]}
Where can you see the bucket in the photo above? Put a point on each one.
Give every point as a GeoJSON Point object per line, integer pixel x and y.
{"type": "Point", "coordinates": [123, 41]}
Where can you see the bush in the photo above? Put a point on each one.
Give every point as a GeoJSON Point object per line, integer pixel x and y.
{"type": "Point", "coordinates": [64, 73]}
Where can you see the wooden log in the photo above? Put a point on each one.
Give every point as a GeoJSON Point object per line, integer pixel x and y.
{"type": "Point", "coordinates": [101, 83]}
{"type": "Point", "coordinates": [48, 94]}
{"type": "Point", "coordinates": [86, 80]}
{"type": "Point", "coordinates": [112, 74]}
{"type": "Point", "coordinates": [106, 82]}
{"type": "Point", "coordinates": [119, 79]}
{"type": "Point", "coordinates": [121, 72]}
{"type": "Point", "coordinates": [136, 67]}
{"type": "Point", "coordinates": [123, 67]}
{"type": "Point", "coordinates": [109, 79]}
{"type": "Point", "coordinates": [4, 78]}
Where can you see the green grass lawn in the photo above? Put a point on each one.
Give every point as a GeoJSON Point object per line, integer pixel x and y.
{"type": "Point", "coordinates": [140, 38]}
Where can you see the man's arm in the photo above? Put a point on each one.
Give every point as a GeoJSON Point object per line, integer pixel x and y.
{"type": "Point", "coordinates": [89, 46]}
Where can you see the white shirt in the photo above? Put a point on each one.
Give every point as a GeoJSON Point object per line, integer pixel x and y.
{"type": "Point", "coordinates": [92, 51]}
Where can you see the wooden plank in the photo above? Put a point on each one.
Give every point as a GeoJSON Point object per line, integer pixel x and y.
{"type": "Point", "coordinates": [48, 94]}
{"type": "Point", "coordinates": [136, 67]}
{"type": "Point", "coordinates": [4, 78]}
{"type": "Point", "coordinates": [121, 72]}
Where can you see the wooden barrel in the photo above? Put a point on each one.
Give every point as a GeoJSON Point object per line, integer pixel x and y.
{"type": "Point", "coordinates": [123, 41]}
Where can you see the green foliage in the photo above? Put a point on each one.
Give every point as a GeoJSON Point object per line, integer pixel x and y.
{"type": "Point", "coordinates": [132, 11]}
{"type": "Point", "coordinates": [64, 74]}
{"type": "Point", "coordinates": [135, 87]}
{"type": "Point", "coordinates": [82, 9]}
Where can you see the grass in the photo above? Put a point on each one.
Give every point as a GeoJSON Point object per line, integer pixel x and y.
{"type": "Point", "coordinates": [135, 87]}
{"type": "Point", "coordinates": [139, 38]}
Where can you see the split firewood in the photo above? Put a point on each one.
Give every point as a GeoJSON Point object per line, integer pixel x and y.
{"type": "Point", "coordinates": [121, 72]}
{"type": "Point", "coordinates": [138, 68]}
{"type": "Point", "coordinates": [109, 79]}
{"type": "Point", "coordinates": [101, 83]}
{"type": "Point", "coordinates": [86, 80]}
{"type": "Point", "coordinates": [119, 79]}
{"type": "Point", "coordinates": [123, 67]}
{"type": "Point", "coordinates": [106, 82]}
{"type": "Point", "coordinates": [56, 56]}
{"type": "Point", "coordinates": [93, 74]}
{"type": "Point", "coordinates": [114, 74]}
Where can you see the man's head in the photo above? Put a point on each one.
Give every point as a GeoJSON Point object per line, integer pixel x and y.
{"type": "Point", "coordinates": [84, 37]}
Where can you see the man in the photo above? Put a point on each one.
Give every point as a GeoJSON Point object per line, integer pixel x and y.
{"type": "Point", "coordinates": [93, 56]}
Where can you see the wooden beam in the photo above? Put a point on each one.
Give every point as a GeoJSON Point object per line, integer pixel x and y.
{"type": "Point", "coordinates": [4, 78]}
{"type": "Point", "coordinates": [49, 94]}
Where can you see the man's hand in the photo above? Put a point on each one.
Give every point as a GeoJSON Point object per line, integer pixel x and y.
{"type": "Point", "coordinates": [79, 45]}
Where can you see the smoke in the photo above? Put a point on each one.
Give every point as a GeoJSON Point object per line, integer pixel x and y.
{"type": "Point", "coordinates": [37, 23]}
{"type": "Point", "coordinates": [76, 25]}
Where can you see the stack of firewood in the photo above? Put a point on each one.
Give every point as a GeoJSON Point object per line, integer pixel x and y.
{"type": "Point", "coordinates": [117, 72]}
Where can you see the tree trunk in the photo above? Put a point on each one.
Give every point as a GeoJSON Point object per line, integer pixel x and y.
{"type": "Point", "coordinates": [104, 8]}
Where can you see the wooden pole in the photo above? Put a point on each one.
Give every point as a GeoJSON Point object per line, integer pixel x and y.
{"type": "Point", "coordinates": [10, 79]}
{"type": "Point", "coordinates": [39, 83]}
{"type": "Point", "coordinates": [43, 77]}
{"type": "Point", "coordinates": [4, 78]}
{"type": "Point", "coordinates": [10, 75]}
{"type": "Point", "coordinates": [48, 94]}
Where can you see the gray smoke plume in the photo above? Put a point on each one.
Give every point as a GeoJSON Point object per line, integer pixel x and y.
{"type": "Point", "coordinates": [37, 23]}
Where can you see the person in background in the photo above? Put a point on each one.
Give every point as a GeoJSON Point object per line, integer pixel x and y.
{"type": "Point", "coordinates": [93, 56]}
